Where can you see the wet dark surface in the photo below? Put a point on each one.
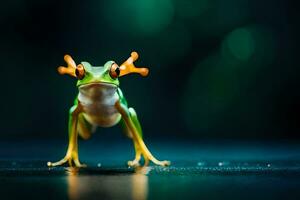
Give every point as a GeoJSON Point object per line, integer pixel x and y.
{"type": "Point", "coordinates": [202, 170]}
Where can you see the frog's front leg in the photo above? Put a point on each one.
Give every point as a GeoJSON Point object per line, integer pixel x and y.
{"type": "Point", "coordinates": [72, 153]}
{"type": "Point", "coordinates": [134, 128]}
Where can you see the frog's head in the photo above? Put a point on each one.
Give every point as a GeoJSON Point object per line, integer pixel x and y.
{"type": "Point", "coordinates": [109, 73]}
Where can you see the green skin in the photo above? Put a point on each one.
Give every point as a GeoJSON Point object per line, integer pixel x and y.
{"type": "Point", "coordinates": [100, 102]}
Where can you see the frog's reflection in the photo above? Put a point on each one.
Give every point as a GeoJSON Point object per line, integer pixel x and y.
{"type": "Point", "coordinates": [120, 186]}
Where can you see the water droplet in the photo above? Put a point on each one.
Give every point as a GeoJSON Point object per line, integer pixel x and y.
{"type": "Point", "coordinates": [200, 163]}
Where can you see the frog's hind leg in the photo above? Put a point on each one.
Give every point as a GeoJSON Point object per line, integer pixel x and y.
{"type": "Point", "coordinates": [134, 131]}
{"type": "Point", "coordinates": [85, 129]}
{"type": "Point", "coordinates": [72, 153]}
{"type": "Point", "coordinates": [138, 152]}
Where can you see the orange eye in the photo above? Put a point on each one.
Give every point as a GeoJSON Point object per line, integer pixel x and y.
{"type": "Point", "coordinates": [80, 72]}
{"type": "Point", "coordinates": [114, 71]}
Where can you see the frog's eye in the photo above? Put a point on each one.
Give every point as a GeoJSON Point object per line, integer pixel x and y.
{"type": "Point", "coordinates": [80, 72]}
{"type": "Point", "coordinates": [114, 71]}
{"type": "Point", "coordinates": [71, 69]}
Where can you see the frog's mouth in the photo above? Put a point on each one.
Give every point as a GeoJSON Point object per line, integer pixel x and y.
{"type": "Point", "coordinates": [98, 84]}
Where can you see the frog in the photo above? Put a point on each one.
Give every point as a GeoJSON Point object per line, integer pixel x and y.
{"type": "Point", "coordinates": [100, 103]}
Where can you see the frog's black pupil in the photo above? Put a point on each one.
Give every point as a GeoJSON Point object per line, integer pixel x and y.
{"type": "Point", "coordinates": [117, 71]}
{"type": "Point", "coordinates": [77, 72]}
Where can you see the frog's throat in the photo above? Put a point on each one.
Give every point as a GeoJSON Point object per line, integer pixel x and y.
{"type": "Point", "coordinates": [98, 103]}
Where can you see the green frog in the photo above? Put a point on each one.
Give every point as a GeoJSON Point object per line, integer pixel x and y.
{"type": "Point", "coordinates": [101, 103]}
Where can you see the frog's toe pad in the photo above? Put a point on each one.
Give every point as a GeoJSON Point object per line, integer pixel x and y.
{"type": "Point", "coordinates": [133, 163]}
{"type": "Point", "coordinates": [165, 163]}
{"type": "Point", "coordinates": [66, 159]}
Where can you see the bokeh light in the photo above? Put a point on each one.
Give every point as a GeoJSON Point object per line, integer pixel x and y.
{"type": "Point", "coordinates": [221, 80]}
{"type": "Point", "coordinates": [252, 45]}
{"type": "Point", "coordinates": [240, 43]}
{"type": "Point", "coordinates": [139, 17]}
{"type": "Point", "coordinates": [210, 89]}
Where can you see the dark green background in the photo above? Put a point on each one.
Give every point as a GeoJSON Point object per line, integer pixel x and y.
{"type": "Point", "coordinates": [218, 69]}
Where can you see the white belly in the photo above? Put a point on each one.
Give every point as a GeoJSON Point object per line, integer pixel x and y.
{"type": "Point", "coordinates": [98, 100]}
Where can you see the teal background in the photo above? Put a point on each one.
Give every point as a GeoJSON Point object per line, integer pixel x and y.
{"type": "Point", "coordinates": [221, 101]}
{"type": "Point", "coordinates": [218, 69]}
